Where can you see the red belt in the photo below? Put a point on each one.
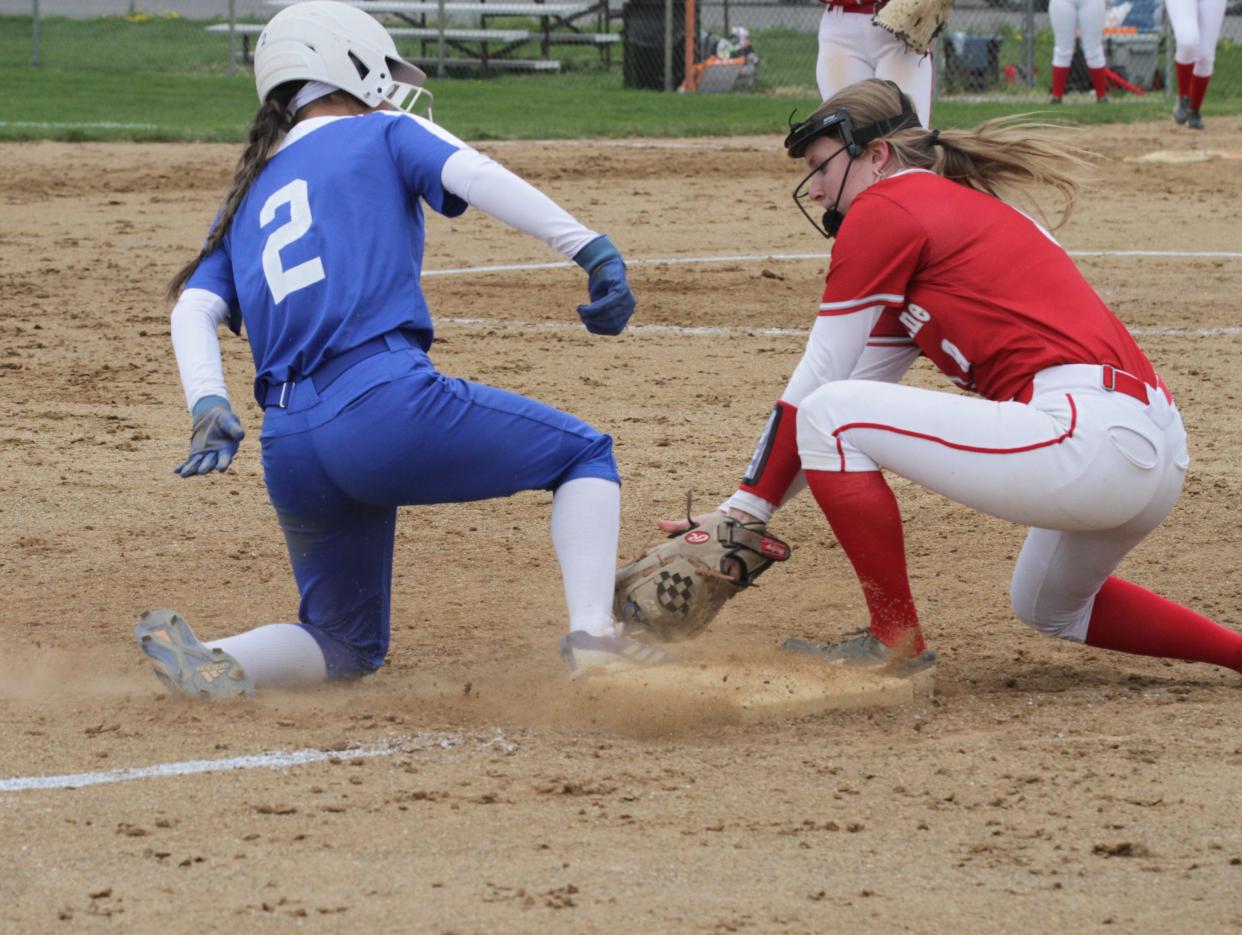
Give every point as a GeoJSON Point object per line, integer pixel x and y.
{"type": "Point", "coordinates": [1119, 381]}
{"type": "Point", "coordinates": [1113, 380]}
{"type": "Point", "coordinates": [853, 7]}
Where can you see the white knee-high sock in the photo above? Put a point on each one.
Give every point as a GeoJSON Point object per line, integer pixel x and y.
{"type": "Point", "coordinates": [279, 654]}
{"type": "Point", "coordinates": [586, 522]}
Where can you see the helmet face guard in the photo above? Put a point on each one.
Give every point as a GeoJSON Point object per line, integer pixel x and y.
{"type": "Point", "coordinates": [832, 218]}
{"type": "Point", "coordinates": [853, 140]}
{"type": "Point", "coordinates": [340, 45]}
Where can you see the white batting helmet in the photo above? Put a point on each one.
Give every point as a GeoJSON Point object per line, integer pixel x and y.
{"type": "Point", "coordinates": [323, 40]}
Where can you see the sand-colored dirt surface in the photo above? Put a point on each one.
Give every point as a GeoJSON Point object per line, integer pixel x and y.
{"type": "Point", "coordinates": [468, 786]}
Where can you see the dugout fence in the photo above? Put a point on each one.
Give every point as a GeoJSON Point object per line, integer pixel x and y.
{"type": "Point", "coordinates": [992, 50]}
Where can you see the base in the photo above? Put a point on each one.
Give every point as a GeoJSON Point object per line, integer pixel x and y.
{"type": "Point", "coordinates": [758, 693]}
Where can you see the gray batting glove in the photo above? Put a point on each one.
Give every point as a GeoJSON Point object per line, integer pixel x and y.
{"type": "Point", "coordinates": [214, 437]}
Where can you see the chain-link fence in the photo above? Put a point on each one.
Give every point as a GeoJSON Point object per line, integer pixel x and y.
{"type": "Point", "coordinates": [991, 50]}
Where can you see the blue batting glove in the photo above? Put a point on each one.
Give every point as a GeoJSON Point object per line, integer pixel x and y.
{"type": "Point", "coordinates": [612, 302]}
{"type": "Point", "coordinates": [214, 437]}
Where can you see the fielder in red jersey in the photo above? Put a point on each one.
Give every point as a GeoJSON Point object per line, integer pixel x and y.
{"type": "Point", "coordinates": [1070, 432]}
{"type": "Point", "coordinates": [983, 291]}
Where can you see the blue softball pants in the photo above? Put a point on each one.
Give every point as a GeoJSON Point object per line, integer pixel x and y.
{"type": "Point", "coordinates": [390, 431]}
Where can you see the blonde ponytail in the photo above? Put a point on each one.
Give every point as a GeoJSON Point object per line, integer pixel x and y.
{"type": "Point", "coordinates": [1005, 157]}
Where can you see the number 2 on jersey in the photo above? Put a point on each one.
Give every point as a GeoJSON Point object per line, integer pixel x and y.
{"type": "Point", "coordinates": [280, 280]}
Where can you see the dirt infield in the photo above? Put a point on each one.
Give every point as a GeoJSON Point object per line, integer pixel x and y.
{"type": "Point", "coordinates": [468, 786]}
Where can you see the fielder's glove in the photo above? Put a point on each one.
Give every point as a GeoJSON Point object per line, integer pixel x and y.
{"type": "Point", "coordinates": [612, 302]}
{"type": "Point", "coordinates": [675, 590]}
{"type": "Point", "coordinates": [214, 437]}
{"type": "Point", "coordinates": [915, 22]}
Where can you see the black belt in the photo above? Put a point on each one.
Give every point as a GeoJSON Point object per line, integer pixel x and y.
{"type": "Point", "coordinates": [277, 394]}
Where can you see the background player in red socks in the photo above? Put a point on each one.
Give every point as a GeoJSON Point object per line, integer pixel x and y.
{"type": "Point", "coordinates": [1196, 28]}
{"type": "Point", "coordinates": [1087, 16]}
{"type": "Point", "coordinates": [1074, 434]}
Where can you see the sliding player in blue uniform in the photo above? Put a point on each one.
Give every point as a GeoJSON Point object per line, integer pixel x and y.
{"type": "Point", "coordinates": [317, 250]}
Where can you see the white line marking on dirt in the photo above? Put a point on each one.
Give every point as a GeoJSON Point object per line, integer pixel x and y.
{"type": "Point", "coordinates": [635, 329]}
{"type": "Point", "coordinates": [779, 257]}
{"type": "Point", "coordinates": [785, 257]}
{"type": "Point", "coordinates": [631, 144]}
{"type": "Point", "coordinates": [274, 760]}
{"type": "Point", "coordinates": [1165, 254]}
{"type": "Point", "coordinates": [726, 331]}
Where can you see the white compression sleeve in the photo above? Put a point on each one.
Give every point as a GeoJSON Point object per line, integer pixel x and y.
{"type": "Point", "coordinates": [485, 184]}
{"type": "Point", "coordinates": [884, 362]}
{"type": "Point", "coordinates": [586, 521]}
{"type": "Point", "coordinates": [279, 654]}
{"type": "Point", "coordinates": [195, 318]}
{"type": "Point", "coordinates": [832, 349]}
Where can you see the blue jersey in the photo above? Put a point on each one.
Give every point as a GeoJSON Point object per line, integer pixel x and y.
{"type": "Point", "coordinates": [324, 255]}
{"type": "Point", "coordinates": [326, 249]}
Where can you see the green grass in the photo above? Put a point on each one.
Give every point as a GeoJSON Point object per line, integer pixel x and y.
{"type": "Point", "coordinates": [165, 44]}
{"type": "Point", "coordinates": [165, 78]}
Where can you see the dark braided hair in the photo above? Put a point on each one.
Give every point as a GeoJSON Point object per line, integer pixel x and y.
{"type": "Point", "coordinates": [270, 122]}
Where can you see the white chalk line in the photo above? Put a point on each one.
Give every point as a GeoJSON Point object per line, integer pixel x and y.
{"type": "Point", "coordinates": [788, 257]}
{"type": "Point", "coordinates": [728, 331]}
{"type": "Point", "coordinates": [279, 760]}
{"type": "Point", "coordinates": [708, 330]}
{"type": "Point", "coordinates": [632, 144]}
{"type": "Point", "coordinates": [273, 760]}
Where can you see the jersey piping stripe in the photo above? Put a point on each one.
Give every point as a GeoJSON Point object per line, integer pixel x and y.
{"type": "Point", "coordinates": [957, 446]}
{"type": "Point", "coordinates": [880, 298]}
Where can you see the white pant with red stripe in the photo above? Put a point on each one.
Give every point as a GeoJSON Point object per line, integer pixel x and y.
{"type": "Point", "coordinates": [1090, 470]}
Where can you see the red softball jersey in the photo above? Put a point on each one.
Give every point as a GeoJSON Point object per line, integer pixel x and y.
{"type": "Point", "coordinates": [981, 288]}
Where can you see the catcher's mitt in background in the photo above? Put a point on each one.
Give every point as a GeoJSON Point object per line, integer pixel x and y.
{"type": "Point", "coordinates": [915, 22]}
{"type": "Point", "coordinates": [675, 590]}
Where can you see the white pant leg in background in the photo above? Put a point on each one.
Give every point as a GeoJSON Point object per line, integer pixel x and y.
{"type": "Point", "coordinates": [852, 48]}
{"type": "Point", "coordinates": [913, 73]}
{"type": "Point", "coordinates": [1087, 18]}
{"type": "Point", "coordinates": [1196, 27]}
{"type": "Point", "coordinates": [1211, 20]}
{"type": "Point", "coordinates": [844, 51]}
{"type": "Point", "coordinates": [1184, 20]}
{"type": "Point", "coordinates": [1063, 15]}
{"type": "Point", "coordinates": [1092, 472]}
{"type": "Point", "coordinates": [1091, 31]}
{"type": "Point", "coordinates": [1196, 30]}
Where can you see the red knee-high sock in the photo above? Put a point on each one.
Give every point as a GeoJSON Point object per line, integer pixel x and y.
{"type": "Point", "coordinates": [1099, 81]}
{"type": "Point", "coordinates": [1198, 90]}
{"type": "Point", "coordinates": [1184, 75]}
{"type": "Point", "coordinates": [1131, 619]}
{"type": "Point", "coordinates": [863, 513]}
{"type": "Point", "coordinates": [1059, 78]}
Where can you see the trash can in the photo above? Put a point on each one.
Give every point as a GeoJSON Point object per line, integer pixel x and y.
{"type": "Point", "coordinates": [971, 63]}
{"type": "Point", "coordinates": [642, 43]}
{"type": "Point", "coordinates": [1135, 58]}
